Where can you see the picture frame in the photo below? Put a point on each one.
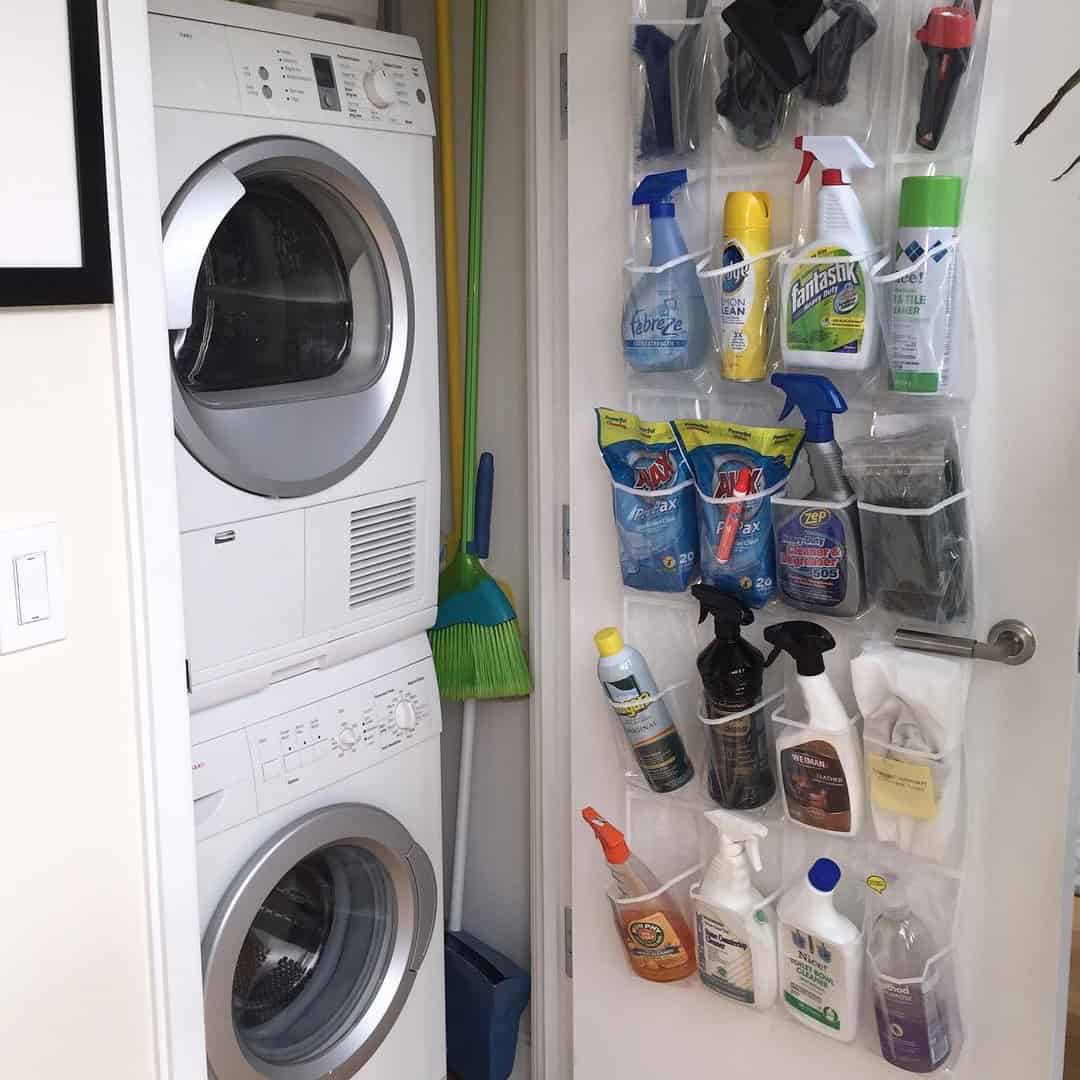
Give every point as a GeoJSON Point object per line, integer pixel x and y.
{"type": "Point", "coordinates": [68, 279]}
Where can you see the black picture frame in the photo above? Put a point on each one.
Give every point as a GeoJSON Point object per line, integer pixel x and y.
{"type": "Point", "coordinates": [92, 282]}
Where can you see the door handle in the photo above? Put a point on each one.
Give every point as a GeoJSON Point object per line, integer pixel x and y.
{"type": "Point", "coordinates": [1009, 642]}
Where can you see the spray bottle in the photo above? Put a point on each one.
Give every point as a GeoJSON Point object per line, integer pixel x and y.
{"type": "Point", "coordinates": [821, 764]}
{"type": "Point", "coordinates": [736, 934]}
{"type": "Point", "coordinates": [732, 671]}
{"type": "Point", "coordinates": [665, 326]}
{"type": "Point", "coordinates": [829, 318]}
{"type": "Point", "coordinates": [818, 545]}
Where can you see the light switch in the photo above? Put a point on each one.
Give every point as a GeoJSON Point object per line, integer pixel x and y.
{"type": "Point", "coordinates": [32, 587]}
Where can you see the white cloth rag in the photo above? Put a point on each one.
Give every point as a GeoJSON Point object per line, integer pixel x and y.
{"type": "Point", "coordinates": [913, 708]}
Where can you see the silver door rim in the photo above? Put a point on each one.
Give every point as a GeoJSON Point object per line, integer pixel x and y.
{"type": "Point", "coordinates": [413, 878]}
{"type": "Point", "coordinates": [314, 162]}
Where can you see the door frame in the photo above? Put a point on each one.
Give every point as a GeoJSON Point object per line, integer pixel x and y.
{"type": "Point", "coordinates": [144, 406]}
{"type": "Point", "coordinates": [547, 397]}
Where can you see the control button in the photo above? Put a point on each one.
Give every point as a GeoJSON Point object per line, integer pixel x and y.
{"type": "Point", "coordinates": [267, 92]}
{"type": "Point", "coordinates": [405, 718]}
{"type": "Point", "coordinates": [263, 73]}
{"type": "Point", "coordinates": [311, 755]}
{"type": "Point", "coordinates": [347, 737]}
{"type": "Point", "coordinates": [379, 88]}
{"type": "Point", "coordinates": [293, 762]}
{"type": "Point", "coordinates": [272, 770]}
{"type": "Point", "coordinates": [322, 748]}
{"type": "Point", "coordinates": [421, 96]}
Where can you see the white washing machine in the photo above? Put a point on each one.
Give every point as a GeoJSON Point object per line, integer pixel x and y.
{"type": "Point", "coordinates": [318, 808]}
{"type": "Point", "coordinates": [295, 160]}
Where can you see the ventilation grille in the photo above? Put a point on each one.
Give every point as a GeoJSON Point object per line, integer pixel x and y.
{"type": "Point", "coordinates": [382, 551]}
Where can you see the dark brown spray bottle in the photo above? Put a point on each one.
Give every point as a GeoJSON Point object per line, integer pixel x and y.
{"type": "Point", "coordinates": [732, 672]}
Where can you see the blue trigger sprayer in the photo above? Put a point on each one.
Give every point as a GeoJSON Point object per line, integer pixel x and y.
{"type": "Point", "coordinates": [665, 326]}
{"type": "Point", "coordinates": [819, 547]}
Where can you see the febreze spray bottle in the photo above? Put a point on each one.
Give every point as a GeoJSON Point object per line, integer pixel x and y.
{"type": "Point", "coordinates": [818, 546]}
{"type": "Point", "coordinates": [736, 933]}
{"type": "Point", "coordinates": [821, 766]}
{"type": "Point", "coordinates": [732, 670]}
{"type": "Point", "coordinates": [665, 326]}
{"type": "Point", "coordinates": [829, 318]}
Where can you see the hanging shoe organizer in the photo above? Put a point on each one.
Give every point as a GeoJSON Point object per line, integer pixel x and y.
{"type": "Point", "coordinates": [903, 78]}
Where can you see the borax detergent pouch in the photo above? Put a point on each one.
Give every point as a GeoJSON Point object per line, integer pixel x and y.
{"type": "Point", "coordinates": [826, 309]}
{"type": "Point", "coordinates": [737, 470]}
{"type": "Point", "coordinates": [654, 502]}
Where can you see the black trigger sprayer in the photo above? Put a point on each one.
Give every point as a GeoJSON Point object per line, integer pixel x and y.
{"type": "Point", "coordinates": [732, 672]}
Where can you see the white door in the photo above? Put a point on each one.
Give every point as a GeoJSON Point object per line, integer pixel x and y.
{"type": "Point", "coordinates": [1021, 234]}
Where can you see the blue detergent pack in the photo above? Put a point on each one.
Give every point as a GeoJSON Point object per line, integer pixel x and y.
{"type": "Point", "coordinates": [737, 470]}
{"type": "Point", "coordinates": [654, 501]}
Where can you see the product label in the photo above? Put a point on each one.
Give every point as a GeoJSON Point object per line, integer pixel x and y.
{"type": "Point", "coordinates": [657, 745]}
{"type": "Point", "coordinates": [912, 1024]}
{"type": "Point", "coordinates": [812, 557]}
{"type": "Point", "coordinates": [826, 305]}
{"type": "Point", "coordinates": [920, 330]}
{"type": "Point", "coordinates": [724, 960]}
{"type": "Point", "coordinates": [901, 787]}
{"type": "Point", "coordinates": [740, 777]}
{"type": "Point", "coordinates": [743, 357]}
{"type": "Point", "coordinates": [653, 943]}
{"type": "Point", "coordinates": [812, 977]}
{"type": "Point", "coordinates": [815, 786]}
{"type": "Point", "coordinates": [665, 326]}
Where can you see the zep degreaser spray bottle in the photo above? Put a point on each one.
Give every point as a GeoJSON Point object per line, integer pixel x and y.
{"type": "Point", "coordinates": [829, 318]}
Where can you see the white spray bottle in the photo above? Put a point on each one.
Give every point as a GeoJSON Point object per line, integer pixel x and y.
{"type": "Point", "coordinates": [736, 935]}
{"type": "Point", "coordinates": [829, 317]}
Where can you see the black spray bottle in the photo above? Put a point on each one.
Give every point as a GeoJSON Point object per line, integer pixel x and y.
{"type": "Point", "coordinates": [732, 671]}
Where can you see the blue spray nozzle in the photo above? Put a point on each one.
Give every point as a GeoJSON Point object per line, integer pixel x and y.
{"type": "Point", "coordinates": [655, 192]}
{"type": "Point", "coordinates": [816, 398]}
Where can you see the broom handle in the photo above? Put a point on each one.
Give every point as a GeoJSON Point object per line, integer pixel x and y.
{"type": "Point", "coordinates": [461, 828]}
{"type": "Point", "coordinates": [476, 245]}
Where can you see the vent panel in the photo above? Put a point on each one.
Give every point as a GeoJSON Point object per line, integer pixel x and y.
{"type": "Point", "coordinates": [382, 551]}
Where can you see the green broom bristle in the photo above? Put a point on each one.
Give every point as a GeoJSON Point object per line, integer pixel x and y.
{"type": "Point", "coordinates": [481, 662]}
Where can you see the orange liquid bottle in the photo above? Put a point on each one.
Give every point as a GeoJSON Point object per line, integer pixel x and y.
{"type": "Point", "coordinates": [658, 941]}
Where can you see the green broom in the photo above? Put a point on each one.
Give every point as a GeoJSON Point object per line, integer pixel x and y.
{"type": "Point", "coordinates": [476, 642]}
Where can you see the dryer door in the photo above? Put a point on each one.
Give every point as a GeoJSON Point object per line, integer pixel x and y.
{"type": "Point", "coordinates": [311, 954]}
{"type": "Point", "coordinates": [290, 310]}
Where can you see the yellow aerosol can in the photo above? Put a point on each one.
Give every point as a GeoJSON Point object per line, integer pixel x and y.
{"type": "Point", "coordinates": [747, 235]}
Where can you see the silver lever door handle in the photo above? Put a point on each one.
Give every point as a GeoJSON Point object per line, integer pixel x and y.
{"type": "Point", "coordinates": [1009, 642]}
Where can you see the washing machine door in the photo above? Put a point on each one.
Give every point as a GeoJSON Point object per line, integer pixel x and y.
{"type": "Point", "coordinates": [311, 954]}
{"type": "Point", "coordinates": [290, 311]}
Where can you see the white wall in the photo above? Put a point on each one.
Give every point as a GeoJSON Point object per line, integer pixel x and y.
{"type": "Point", "coordinates": [75, 1000]}
{"type": "Point", "coordinates": [497, 889]}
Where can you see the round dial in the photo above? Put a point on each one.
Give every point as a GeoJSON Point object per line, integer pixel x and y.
{"type": "Point", "coordinates": [379, 88]}
{"type": "Point", "coordinates": [405, 716]}
{"type": "Point", "coordinates": [347, 736]}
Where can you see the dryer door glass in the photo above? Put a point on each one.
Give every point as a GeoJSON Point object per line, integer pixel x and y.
{"type": "Point", "coordinates": [315, 956]}
{"type": "Point", "coordinates": [291, 310]}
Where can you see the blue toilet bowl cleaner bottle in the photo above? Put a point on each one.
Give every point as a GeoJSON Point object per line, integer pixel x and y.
{"type": "Point", "coordinates": [665, 326]}
{"type": "Point", "coordinates": [818, 544]}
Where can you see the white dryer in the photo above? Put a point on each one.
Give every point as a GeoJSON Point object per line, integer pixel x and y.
{"type": "Point", "coordinates": [318, 809]}
{"type": "Point", "coordinates": [295, 160]}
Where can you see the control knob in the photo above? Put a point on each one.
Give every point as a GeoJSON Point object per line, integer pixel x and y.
{"type": "Point", "coordinates": [405, 717]}
{"type": "Point", "coordinates": [379, 88]}
{"type": "Point", "coordinates": [347, 736]}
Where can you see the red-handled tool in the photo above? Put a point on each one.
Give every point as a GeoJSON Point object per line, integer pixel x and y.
{"type": "Point", "coordinates": [725, 542]}
{"type": "Point", "coordinates": [946, 39]}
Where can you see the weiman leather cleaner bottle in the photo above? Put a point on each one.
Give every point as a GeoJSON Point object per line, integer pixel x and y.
{"type": "Point", "coordinates": [732, 671]}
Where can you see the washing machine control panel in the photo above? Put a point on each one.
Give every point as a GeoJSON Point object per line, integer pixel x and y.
{"type": "Point", "coordinates": [306, 749]}
{"type": "Point", "coordinates": [201, 65]}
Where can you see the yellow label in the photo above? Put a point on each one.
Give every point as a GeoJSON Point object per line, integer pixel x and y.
{"type": "Point", "coordinates": [902, 788]}
{"type": "Point", "coordinates": [653, 943]}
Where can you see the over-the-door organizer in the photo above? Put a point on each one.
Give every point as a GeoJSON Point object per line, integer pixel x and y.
{"type": "Point", "coordinates": [795, 206]}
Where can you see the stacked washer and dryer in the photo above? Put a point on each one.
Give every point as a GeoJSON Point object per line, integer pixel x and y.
{"type": "Point", "coordinates": [295, 161]}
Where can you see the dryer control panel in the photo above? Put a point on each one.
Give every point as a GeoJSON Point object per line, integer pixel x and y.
{"type": "Point", "coordinates": [207, 66]}
{"type": "Point", "coordinates": [270, 763]}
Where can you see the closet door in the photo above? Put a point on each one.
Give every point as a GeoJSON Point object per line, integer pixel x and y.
{"type": "Point", "coordinates": [1022, 271]}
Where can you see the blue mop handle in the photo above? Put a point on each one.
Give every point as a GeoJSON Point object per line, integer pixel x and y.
{"type": "Point", "coordinates": [485, 491]}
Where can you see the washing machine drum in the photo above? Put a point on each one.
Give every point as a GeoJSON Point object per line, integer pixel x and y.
{"type": "Point", "coordinates": [290, 310]}
{"type": "Point", "coordinates": [311, 955]}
